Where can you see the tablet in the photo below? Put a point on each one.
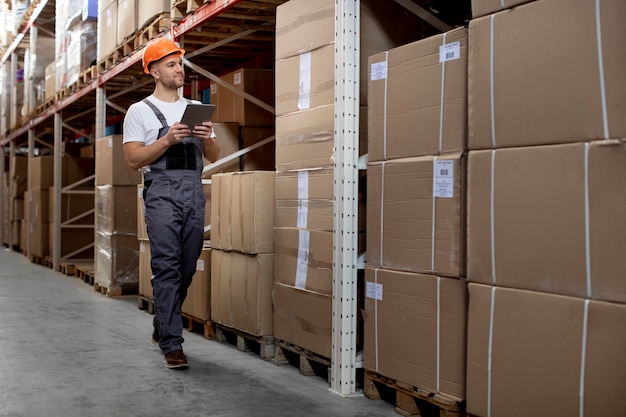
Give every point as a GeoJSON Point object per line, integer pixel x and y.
{"type": "Point", "coordinates": [195, 114]}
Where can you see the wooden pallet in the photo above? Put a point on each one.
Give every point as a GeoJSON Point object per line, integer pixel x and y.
{"type": "Point", "coordinates": [262, 345]}
{"type": "Point", "coordinates": [115, 291]}
{"type": "Point", "coordinates": [194, 324]}
{"type": "Point", "coordinates": [37, 260]}
{"type": "Point", "coordinates": [411, 401]}
{"type": "Point", "coordinates": [85, 272]}
{"type": "Point", "coordinates": [145, 302]}
{"type": "Point", "coordinates": [179, 10]}
{"type": "Point", "coordinates": [308, 362]}
{"type": "Point", "coordinates": [157, 26]}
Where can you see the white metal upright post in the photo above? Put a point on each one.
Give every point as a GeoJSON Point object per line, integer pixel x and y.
{"type": "Point", "coordinates": [345, 224]}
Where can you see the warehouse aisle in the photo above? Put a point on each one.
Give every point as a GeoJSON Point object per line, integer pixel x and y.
{"type": "Point", "coordinates": [70, 351]}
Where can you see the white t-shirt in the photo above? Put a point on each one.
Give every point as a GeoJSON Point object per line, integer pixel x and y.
{"type": "Point", "coordinates": [142, 125]}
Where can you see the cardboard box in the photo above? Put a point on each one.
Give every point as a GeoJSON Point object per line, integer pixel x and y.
{"type": "Point", "coordinates": [298, 20]}
{"type": "Point", "coordinates": [39, 206]}
{"type": "Point", "coordinates": [50, 81]}
{"type": "Point", "coordinates": [18, 175]}
{"type": "Point", "coordinates": [206, 190]}
{"type": "Point", "coordinates": [148, 10]}
{"type": "Point", "coordinates": [116, 261]}
{"type": "Point", "coordinates": [260, 159]}
{"type": "Point", "coordinates": [198, 301]}
{"type": "Point", "coordinates": [241, 291]}
{"type": "Point", "coordinates": [111, 166]}
{"type": "Point", "coordinates": [245, 211]}
{"type": "Point", "coordinates": [305, 139]}
{"type": "Point", "coordinates": [416, 214]}
{"type": "Point", "coordinates": [142, 229]}
{"type": "Point", "coordinates": [260, 84]}
{"type": "Point", "coordinates": [304, 199]}
{"type": "Point", "coordinates": [418, 98]}
{"type": "Point", "coordinates": [542, 94]}
{"type": "Point", "coordinates": [483, 7]}
{"type": "Point", "coordinates": [39, 241]}
{"type": "Point", "coordinates": [116, 209]}
{"type": "Point", "coordinates": [107, 30]}
{"type": "Point", "coordinates": [303, 318]}
{"type": "Point", "coordinates": [553, 210]}
{"type": "Point", "coordinates": [145, 270]}
{"type": "Point", "coordinates": [126, 19]}
{"type": "Point", "coordinates": [304, 259]}
{"type": "Point", "coordinates": [305, 81]}
{"type": "Point", "coordinates": [415, 330]}
{"type": "Point", "coordinates": [561, 352]}
{"type": "Point", "coordinates": [17, 209]}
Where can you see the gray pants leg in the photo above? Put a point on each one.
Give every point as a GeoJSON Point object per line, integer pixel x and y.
{"type": "Point", "coordinates": [174, 206]}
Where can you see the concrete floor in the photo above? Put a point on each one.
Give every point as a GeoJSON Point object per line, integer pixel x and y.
{"type": "Point", "coordinates": [68, 351]}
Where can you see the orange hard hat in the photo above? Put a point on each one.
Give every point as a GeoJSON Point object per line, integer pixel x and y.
{"type": "Point", "coordinates": [157, 49]}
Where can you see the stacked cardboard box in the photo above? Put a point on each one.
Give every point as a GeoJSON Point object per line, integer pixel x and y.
{"type": "Point", "coordinates": [16, 192]}
{"type": "Point", "coordinates": [415, 306]}
{"type": "Point", "coordinates": [242, 259]}
{"type": "Point", "coordinates": [117, 247]}
{"type": "Point", "coordinates": [545, 203]}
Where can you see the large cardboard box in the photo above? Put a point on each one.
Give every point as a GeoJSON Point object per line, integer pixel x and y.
{"type": "Point", "coordinates": [18, 175]}
{"type": "Point", "coordinates": [483, 7]}
{"type": "Point", "coordinates": [303, 318]}
{"type": "Point", "coordinates": [532, 354]}
{"type": "Point", "coordinates": [418, 98]}
{"type": "Point", "coordinates": [527, 88]}
{"type": "Point", "coordinates": [305, 81]}
{"type": "Point", "coordinates": [416, 214]}
{"type": "Point", "coordinates": [111, 166]}
{"type": "Point", "coordinates": [107, 30]}
{"type": "Point", "coordinates": [148, 10]}
{"type": "Point", "coordinates": [39, 206]}
{"type": "Point", "coordinates": [415, 330]}
{"type": "Point", "coordinates": [39, 240]}
{"type": "Point", "coordinates": [241, 291]}
{"type": "Point", "coordinates": [305, 139]}
{"type": "Point", "coordinates": [303, 259]}
{"type": "Point", "coordinates": [142, 229]}
{"type": "Point", "coordinates": [304, 199]}
{"type": "Point", "coordinates": [198, 301]}
{"type": "Point", "coordinates": [245, 211]}
{"type": "Point", "coordinates": [126, 19]}
{"type": "Point", "coordinates": [549, 218]}
{"type": "Point", "coordinates": [298, 20]}
{"type": "Point", "coordinates": [116, 209]}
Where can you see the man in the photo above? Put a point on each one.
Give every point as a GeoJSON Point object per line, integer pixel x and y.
{"type": "Point", "coordinates": [170, 156]}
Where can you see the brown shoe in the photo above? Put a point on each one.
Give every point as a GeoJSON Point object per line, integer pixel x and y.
{"type": "Point", "coordinates": [176, 359]}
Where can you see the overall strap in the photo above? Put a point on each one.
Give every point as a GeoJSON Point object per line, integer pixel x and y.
{"type": "Point", "coordinates": [156, 111]}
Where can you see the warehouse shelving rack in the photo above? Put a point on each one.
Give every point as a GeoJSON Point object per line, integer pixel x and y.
{"type": "Point", "coordinates": [224, 35]}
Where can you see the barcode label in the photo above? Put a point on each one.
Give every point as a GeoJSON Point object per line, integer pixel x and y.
{"type": "Point", "coordinates": [443, 179]}
{"type": "Point", "coordinates": [449, 51]}
{"type": "Point", "coordinates": [374, 290]}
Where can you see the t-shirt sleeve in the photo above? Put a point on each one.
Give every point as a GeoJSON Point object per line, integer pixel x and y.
{"type": "Point", "coordinates": [134, 130]}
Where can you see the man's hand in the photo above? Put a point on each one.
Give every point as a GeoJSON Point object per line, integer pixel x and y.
{"type": "Point", "coordinates": [177, 133]}
{"type": "Point", "coordinates": [203, 131]}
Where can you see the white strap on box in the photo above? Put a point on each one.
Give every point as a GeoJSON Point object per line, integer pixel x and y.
{"type": "Point", "coordinates": [433, 231]}
{"type": "Point", "coordinates": [382, 209]}
{"type": "Point", "coordinates": [490, 349]}
{"type": "Point", "coordinates": [441, 102]}
{"type": "Point", "coordinates": [587, 227]}
{"type": "Point", "coordinates": [376, 317]}
{"type": "Point", "coordinates": [583, 355]}
{"type": "Point", "coordinates": [492, 225]}
{"type": "Point", "coordinates": [385, 109]}
{"type": "Point", "coordinates": [605, 118]}
{"type": "Point", "coordinates": [491, 86]}
{"type": "Point", "coordinates": [438, 330]}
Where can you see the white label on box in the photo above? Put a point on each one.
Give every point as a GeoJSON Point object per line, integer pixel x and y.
{"type": "Point", "coordinates": [374, 291]}
{"type": "Point", "coordinates": [142, 247]}
{"type": "Point", "coordinates": [303, 199]}
{"type": "Point", "coordinates": [450, 51]}
{"type": "Point", "coordinates": [213, 88]}
{"type": "Point", "coordinates": [304, 97]}
{"type": "Point", "coordinates": [443, 179]}
{"type": "Point", "coordinates": [303, 258]}
{"type": "Point", "coordinates": [378, 71]}
{"type": "Point", "coordinates": [108, 19]}
{"type": "Point", "coordinates": [200, 265]}
{"type": "Point", "coordinates": [110, 142]}
{"type": "Point", "coordinates": [237, 78]}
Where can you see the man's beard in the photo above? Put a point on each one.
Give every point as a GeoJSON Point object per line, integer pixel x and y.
{"type": "Point", "coordinates": [175, 84]}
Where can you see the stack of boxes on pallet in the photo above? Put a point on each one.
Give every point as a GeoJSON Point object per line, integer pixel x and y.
{"type": "Point", "coordinates": [242, 259]}
{"type": "Point", "coordinates": [75, 40]}
{"type": "Point", "coordinates": [416, 294]}
{"type": "Point", "coordinates": [117, 248]}
{"type": "Point", "coordinates": [546, 198]}
{"type": "Point", "coordinates": [121, 20]}
{"type": "Point", "coordinates": [14, 222]}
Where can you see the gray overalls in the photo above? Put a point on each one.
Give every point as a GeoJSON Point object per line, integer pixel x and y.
{"type": "Point", "coordinates": [174, 211]}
